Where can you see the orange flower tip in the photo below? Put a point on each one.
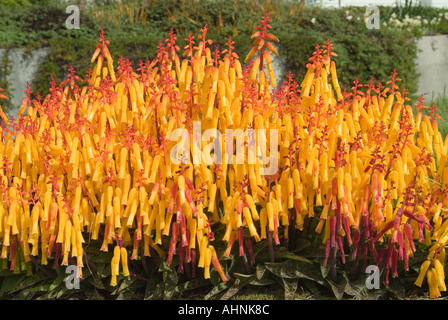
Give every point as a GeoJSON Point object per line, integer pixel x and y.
{"type": "Point", "coordinates": [272, 37]}
{"type": "Point", "coordinates": [256, 34]}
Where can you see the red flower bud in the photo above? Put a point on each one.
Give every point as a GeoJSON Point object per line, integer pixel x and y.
{"type": "Point", "coordinates": [333, 231]}
{"type": "Point", "coordinates": [327, 252]}
{"type": "Point", "coordinates": [241, 240]}
{"type": "Point", "coordinates": [340, 242]}
{"type": "Point", "coordinates": [346, 222]}
{"type": "Point", "coordinates": [394, 261]}
{"type": "Point", "coordinates": [180, 268]}
{"type": "Point", "coordinates": [388, 226]}
{"type": "Point", "coordinates": [409, 235]}
{"type": "Point", "coordinates": [357, 237]}
{"type": "Point", "coordinates": [248, 243]}
{"type": "Point", "coordinates": [193, 262]}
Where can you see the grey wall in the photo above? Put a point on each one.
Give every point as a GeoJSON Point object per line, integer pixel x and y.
{"type": "Point", "coordinates": [432, 64]}
{"type": "Point", "coordinates": [24, 67]}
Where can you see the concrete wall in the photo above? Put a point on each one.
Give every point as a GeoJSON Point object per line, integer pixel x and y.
{"type": "Point", "coordinates": [24, 67]}
{"type": "Point", "coordinates": [432, 64]}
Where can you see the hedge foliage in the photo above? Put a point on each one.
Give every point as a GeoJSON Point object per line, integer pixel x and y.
{"type": "Point", "coordinates": [136, 28]}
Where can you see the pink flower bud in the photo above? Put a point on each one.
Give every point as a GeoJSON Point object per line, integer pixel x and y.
{"type": "Point", "coordinates": [409, 235]}
{"type": "Point", "coordinates": [357, 237]}
{"type": "Point", "coordinates": [327, 252]}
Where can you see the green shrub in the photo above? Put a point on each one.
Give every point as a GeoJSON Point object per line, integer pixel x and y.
{"type": "Point", "coordinates": [135, 29]}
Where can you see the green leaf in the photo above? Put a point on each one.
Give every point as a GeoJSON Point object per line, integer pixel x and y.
{"type": "Point", "coordinates": [128, 293]}
{"type": "Point", "coordinates": [92, 294]}
{"type": "Point", "coordinates": [396, 287]}
{"type": "Point", "coordinates": [6, 272]}
{"type": "Point", "coordinates": [101, 258]}
{"type": "Point", "coordinates": [45, 287]}
{"type": "Point", "coordinates": [96, 282]}
{"type": "Point", "coordinates": [260, 271]}
{"type": "Point", "coordinates": [127, 281]}
{"type": "Point", "coordinates": [221, 287]}
{"type": "Point", "coordinates": [154, 291]}
{"type": "Point", "coordinates": [192, 284]}
{"type": "Point", "coordinates": [9, 282]}
{"type": "Point", "coordinates": [300, 245]}
{"type": "Point", "coordinates": [311, 285]}
{"type": "Point", "coordinates": [215, 278]}
{"type": "Point", "coordinates": [291, 256]}
{"type": "Point", "coordinates": [290, 287]}
{"type": "Point", "coordinates": [154, 287]}
{"type": "Point", "coordinates": [58, 281]}
{"type": "Point", "coordinates": [324, 270]}
{"type": "Point", "coordinates": [259, 278]}
{"type": "Point", "coordinates": [294, 270]}
{"type": "Point", "coordinates": [24, 295]}
{"type": "Point", "coordinates": [357, 288]}
{"type": "Point", "coordinates": [64, 291]}
{"type": "Point", "coordinates": [31, 281]}
{"type": "Point", "coordinates": [236, 286]}
{"type": "Point", "coordinates": [170, 279]}
{"type": "Point", "coordinates": [338, 288]}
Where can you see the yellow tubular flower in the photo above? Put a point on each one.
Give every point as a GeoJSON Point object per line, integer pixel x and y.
{"type": "Point", "coordinates": [124, 261]}
{"type": "Point", "coordinates": [115, 266]}
{"type": "Point", "coordinates": [94, 160]}
{"type": "Point", "coordinates": [423, 269]}
{"type": "Point", "coordinates": [433, 282]}
{"type": "Point", "coordinates": [250, 223]}
{"type": "Point", "coordinates": [251, 203]}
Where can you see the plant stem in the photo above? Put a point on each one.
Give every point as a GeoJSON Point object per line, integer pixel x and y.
{"type": "Point", "coordinates": [292, 232]}
{"type": "Point", "coordinates": [271, 246]}
{"type": "Point", "coordinates": [40, 267]}
{"type": "Point", "coordinates": [246, 264]}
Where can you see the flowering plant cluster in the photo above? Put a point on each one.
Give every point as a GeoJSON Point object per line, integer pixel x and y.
{"type": "Point", "coordinates": [415, 22]}
{"type": "Point", "coordinates": [92, 160]}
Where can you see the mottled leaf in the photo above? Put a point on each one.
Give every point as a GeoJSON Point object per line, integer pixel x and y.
{"type": "Point", "coordinates": [338, 288]}
{"type": "Point", "coordinates": [45, 287]}
{"type": "Point", "coordinates": [295, 270]}
{"type": "Point", "coordinates": [219, 288]}
{"type": "Point", "coordinates": [31, 281]}
{"type": "Point", "coordinates": [154, 291]}
{"type": "Point", "coordinates": [60, 278]}
{"type": "Point", "coordinates": [192, 284]}
{"type": "Point", "coordinates": [397, 288]}
{"type": "Point", "coordinates": [93, 294]}
{"type": "Point", "coordinates": [291, 256]}
{"type": "Point", "coordinates": [290, 287]}
{"type": "Point", "coordinates": [170, 279]}
{"type": "Point", "coordinates": [9, 282]}
{"type": "Point", "coordinates": [236, 286]}
{"type": "Point", "coordinates": [260, 271]}
{"type": "Point", "coordinates": [127, 281]}
{"type": "Point", "coordinates": [300, 245]}
{"type": "Point", "coordinates": [96, 282]}
{"type": "Point", "coordinates": [310, 285]}
{"type": "Point", "coordinates": [324, 270]}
